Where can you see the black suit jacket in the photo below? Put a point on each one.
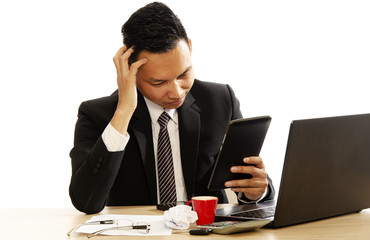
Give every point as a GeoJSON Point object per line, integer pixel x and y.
{"type": "Point", "coordinates": [100, 177]}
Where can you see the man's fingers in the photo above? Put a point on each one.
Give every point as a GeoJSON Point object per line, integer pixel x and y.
{"type": "Point", "coordinates": [136, 65]}
{"type": "Point", "coordinates": [255, 160]}
{"type": "Point", "coordinates": [247, 183]}
{"type": "Point", "coordinates": [121, 60]}
{"type": "Point", "coordinates": [249, 190]}
{"type": "Point", "coordinates": [124, 60]}
{"type": "Point", "coordinates": [116, 58]}
{"type": "Point", "coordinates": [252, 170]}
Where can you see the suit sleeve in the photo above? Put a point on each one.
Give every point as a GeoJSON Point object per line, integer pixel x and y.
{"type": "Point", "coordinates": [94, 168]}
{"type": "Point", "coordinates": [236, 113]}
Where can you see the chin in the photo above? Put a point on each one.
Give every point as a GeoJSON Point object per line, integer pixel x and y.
{"type": "Point", "coordinates": [172, 106]}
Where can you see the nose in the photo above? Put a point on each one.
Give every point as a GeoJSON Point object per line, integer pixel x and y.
{"type": "Point", "coordinates": [175, 90]}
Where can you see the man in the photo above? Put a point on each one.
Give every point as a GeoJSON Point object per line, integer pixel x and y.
{"type": "Point", "coordinates": [115, 160]}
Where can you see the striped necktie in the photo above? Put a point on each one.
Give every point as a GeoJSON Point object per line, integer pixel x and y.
{"type": "Point", "coordinates": [166, 175]}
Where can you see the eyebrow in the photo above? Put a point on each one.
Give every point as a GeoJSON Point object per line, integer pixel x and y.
{"type": "Point", "coordinates": [182, 74]}
{"type": "Point", "coordinates": [186, 71]}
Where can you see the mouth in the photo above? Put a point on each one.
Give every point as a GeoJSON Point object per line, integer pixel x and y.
{"type": "Point", "coordinates": [177, 102]}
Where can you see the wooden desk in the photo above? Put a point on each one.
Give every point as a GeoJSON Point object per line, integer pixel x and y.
{"type": "Point", "coordinates": [40, 224]}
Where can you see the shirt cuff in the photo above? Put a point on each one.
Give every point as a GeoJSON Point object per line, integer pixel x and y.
{"type": "Point", "coordinates": [113, 140]}
{"type": "Point", "coordinates": [243, 199]}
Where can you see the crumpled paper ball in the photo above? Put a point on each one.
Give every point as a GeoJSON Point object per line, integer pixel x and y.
{"type": "Point", "coordinates": [179, 217]}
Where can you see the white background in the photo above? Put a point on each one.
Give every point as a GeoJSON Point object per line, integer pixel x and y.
{"type": "Point", "coordinates": [288, 59]}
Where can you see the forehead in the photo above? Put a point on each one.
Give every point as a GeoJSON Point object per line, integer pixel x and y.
{"type": "Point", "coordinates": [168, 65]}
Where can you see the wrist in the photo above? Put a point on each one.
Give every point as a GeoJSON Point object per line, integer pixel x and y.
{"type": "Point", "coordinates": [121, 120]}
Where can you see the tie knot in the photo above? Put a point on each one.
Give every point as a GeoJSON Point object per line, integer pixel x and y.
{"type": "Point", "coordinates": [163, 119]}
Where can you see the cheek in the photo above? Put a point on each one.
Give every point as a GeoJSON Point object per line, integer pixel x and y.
{"type": "Point", "coordinates": [157, 93]}
{"type": "Point", "coordinates": [188, 84]}
{"type": "Point", "coordinates": [152, 93]}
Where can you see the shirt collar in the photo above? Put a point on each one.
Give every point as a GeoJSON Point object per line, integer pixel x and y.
{"type": "Point", "coordinates": [155, 111]}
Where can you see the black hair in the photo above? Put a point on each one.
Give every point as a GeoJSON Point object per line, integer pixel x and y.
{"type": "Point", "coordinates": [154, 28]}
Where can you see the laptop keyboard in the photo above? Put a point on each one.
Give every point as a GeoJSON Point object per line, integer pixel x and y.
{"type": "Point", "coordinates": [257, 213]}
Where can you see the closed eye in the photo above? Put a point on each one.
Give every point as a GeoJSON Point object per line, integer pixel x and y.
{"type": "Point", "coordinates": [182, 75]}
{"type": "Point", "coordinates": [185, 73]}
{"type": "Point", "coordinates": [157, 83]}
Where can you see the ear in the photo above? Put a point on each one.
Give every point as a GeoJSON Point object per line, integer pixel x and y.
{"type": "Point", "coordinates": [190, 45]}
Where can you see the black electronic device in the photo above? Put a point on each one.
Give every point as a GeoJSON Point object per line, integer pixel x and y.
{"type": "Point", "coordinates": [243, 138]}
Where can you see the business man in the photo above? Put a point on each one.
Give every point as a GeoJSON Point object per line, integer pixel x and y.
{"type": "Point", "coordinates": [156, 138]}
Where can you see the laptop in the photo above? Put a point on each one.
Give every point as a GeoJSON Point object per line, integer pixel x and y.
{"type": "Point", "coordinates": [326, 173]}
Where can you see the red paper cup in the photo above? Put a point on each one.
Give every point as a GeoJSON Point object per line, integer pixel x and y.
{"type": "Point", "coordinates": [205, 207]}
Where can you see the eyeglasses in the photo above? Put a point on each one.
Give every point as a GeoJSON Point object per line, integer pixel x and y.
{"type": "Point", "coordinates": [118, 224]}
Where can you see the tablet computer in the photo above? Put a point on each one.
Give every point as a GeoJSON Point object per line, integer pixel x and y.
{"type": "Point", "coordinates": [243, 138]}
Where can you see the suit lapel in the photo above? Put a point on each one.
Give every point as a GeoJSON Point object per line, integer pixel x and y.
{"type": "Point", "coordinates": [142, 130]}
{"type": "Point", "coordinates": [189, 128]}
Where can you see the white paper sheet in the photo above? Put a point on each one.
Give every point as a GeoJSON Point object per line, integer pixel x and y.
{"type": "Point", "coordinates": [157, 226]}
